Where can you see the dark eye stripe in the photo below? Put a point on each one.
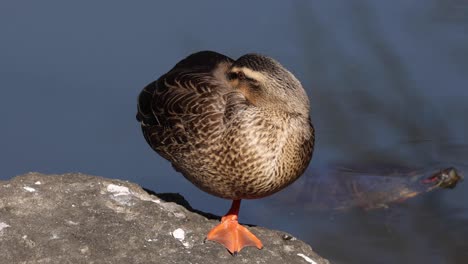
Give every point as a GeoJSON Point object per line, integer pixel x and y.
{"type": "Point", "coordinates": [232, 75]}
{"type": "Point", "coordinates": [241, 76]}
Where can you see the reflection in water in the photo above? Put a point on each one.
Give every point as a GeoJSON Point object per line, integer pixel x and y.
{"type": "Point", "coordinates": [345, 188]}
{"type": "Point", "coordinates": [426, 228]}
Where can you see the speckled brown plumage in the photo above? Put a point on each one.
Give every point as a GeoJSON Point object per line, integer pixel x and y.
{"type": "Point", "coordinates": [236, 129]}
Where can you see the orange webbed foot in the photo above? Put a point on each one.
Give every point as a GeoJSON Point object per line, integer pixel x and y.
{"type": "Point", "coordinates": [233, 236]}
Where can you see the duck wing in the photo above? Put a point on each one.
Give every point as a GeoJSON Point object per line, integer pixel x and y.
{"type": "Point", "coordinates": [185, 106]}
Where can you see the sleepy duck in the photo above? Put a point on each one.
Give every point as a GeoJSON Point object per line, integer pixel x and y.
{"type": "Point", "coordinates": [236, 129]}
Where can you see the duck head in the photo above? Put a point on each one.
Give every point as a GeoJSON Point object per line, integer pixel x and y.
{"type": "Point", "coordinates": [265, 83]}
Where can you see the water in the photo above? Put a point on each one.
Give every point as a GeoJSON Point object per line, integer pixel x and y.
{"type": "Point", "coordinates": [387, 81]}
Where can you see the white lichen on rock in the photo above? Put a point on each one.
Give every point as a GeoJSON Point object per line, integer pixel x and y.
{"type": "Point", "coordinates": [306, 258]}
{"type": "Point", "coordinates": [3, 226]}
{"type": "Point", "coordinates": [179, 234]}
{"type": "Point", "coordinates": [120, 194]}
{"type": "Point", "coordinates": [117, 190]}
{"type": "Point", "coordinates": [70, 222]}
{"type": "Point", "coordinates": [29, 189]}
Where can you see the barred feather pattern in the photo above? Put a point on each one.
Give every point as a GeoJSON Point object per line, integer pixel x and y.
{"type": "Point", "coordinates": [216, 138]}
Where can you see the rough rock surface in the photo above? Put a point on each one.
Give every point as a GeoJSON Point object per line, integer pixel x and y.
{"type": "Point", "coordinates": [75, 218]}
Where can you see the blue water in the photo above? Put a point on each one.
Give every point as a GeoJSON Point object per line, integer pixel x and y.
{"type": "Point", "coordinates": [388, 82]}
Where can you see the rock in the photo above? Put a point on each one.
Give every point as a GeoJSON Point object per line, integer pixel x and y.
{"type": "Point", "coordinates": [75, 218]}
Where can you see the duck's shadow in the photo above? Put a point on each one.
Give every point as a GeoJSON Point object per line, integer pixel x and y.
{"type": "Point", "coordinates": [180, 200]}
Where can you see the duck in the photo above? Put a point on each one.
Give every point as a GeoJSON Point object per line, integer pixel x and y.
{"type": "Point", "coordinates": [236, 129]}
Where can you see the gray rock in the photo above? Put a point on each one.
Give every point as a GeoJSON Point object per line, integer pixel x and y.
{"type": "Point", "coordinates": [75, 218]}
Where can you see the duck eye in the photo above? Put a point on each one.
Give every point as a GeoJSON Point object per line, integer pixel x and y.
{"type": "Point", "coordinates": [232, 75]}
{"type": "Point", "coordinates": [241, 75]}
